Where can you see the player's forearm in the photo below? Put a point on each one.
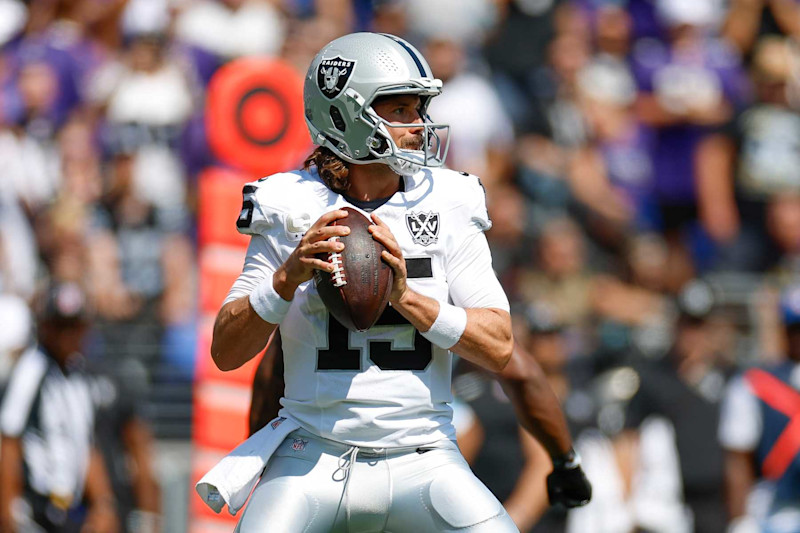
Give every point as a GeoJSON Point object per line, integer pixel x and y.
{"type": "Point", "coordinates": [486, 340]}
{"type": "Point", "coordinates": [535, 403]}
{"type": "Point", "coordinates": [239, 334]}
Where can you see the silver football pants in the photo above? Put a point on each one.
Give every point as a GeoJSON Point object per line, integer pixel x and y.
{"type": "Point", "coordinates": [314, 485]}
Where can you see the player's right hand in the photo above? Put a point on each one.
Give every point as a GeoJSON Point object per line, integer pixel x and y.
{"type": "Point", "coordinates": [300, 265]}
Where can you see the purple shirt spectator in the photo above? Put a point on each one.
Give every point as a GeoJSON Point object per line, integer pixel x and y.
{"type": "Point", "coordinates": [702, 74]}
{"type": "Point", "coordinates": [71, 59]}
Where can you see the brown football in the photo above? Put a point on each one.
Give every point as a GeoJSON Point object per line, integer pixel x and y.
{"type": "Point", "coordinates": [357, 292]}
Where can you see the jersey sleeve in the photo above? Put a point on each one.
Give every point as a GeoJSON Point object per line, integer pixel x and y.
{"type": "Point", "coordinates": [21, 393]}
{"type": "Point", "coordinates": [254, 218]}
{"type": "Point", "coordinates": [470, 276]}
{"type": "Point", "coordinates": [264, 218]}
{"type": "Point", "coordinates": [740, 417]}
{"type": "Point", "coordinates": [260, 262]}
{"type": "Point", "coordinates": [275, 205]}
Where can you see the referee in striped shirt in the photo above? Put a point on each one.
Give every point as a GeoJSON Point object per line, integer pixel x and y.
{"type": "Point", "coordinates": [51, 476]}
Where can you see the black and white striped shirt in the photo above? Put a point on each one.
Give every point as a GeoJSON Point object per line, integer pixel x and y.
{"type": "Point", "coordinates": [51, 410]}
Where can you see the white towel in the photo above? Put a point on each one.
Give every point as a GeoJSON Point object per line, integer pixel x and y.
{"type": "Point", "coordinates": [234, 477]}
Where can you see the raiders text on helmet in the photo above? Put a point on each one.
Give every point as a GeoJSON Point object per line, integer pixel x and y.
{"type": "Point", "coordinates": [343, 81]}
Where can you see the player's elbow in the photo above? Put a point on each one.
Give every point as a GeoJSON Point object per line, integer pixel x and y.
{"type": "Point", "coordinates": [500, 356]}
{"type": "Point", "coordinates": [503, 343]}
{"type": "Point", "coordinates": [225, 353]}
{"type": "Point", "coordinates": [221, 359]}
{"type": "Point", "coordinates": [504, 355]}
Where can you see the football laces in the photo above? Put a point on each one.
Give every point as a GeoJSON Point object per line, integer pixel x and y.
{"type": "Point", "coordinates": [335, 258]}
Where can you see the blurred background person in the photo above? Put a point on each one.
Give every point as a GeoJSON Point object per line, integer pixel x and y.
{"type": "Point", "coordinates": [485, 150]}
{"type": "Point", "coordinates": [125, 439]}
{"type": "Point", "coordinates": [53, 478]}
{"type": "Point", "coordinates": [762, 457]}
{"type": "Point", "coordinates": [689, 379]}
{"type": "Point", "coordinates": [217, 31]}
{"type": "Point", "coordinates": [688, 83]}
{"type": "Point", "coordinates": [560, 276]}
{"type": "Point", "coordinates": [611, 176]}
{"type": "Point", "coordinates": [758, 152]}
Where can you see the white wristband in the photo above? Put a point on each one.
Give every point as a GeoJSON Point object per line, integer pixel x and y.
{"type": "Point", "coordinates": [267, 303]}
{"type": "Point", "coordinates": [448, 327]}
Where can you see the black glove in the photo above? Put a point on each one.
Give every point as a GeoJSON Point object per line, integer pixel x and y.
{"type": "Point", "coordinates": [567, 484]}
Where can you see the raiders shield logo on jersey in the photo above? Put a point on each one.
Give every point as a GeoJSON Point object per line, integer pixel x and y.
{"type": "Point", "coordinates": [333, 75]}
{"type": "Point", "coordinates": [424, 227]}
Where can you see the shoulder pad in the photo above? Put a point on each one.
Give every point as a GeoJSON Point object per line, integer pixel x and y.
{"type": "Point", "coordinates": [481, 213]}
{"type": "Point", "coordinates": [251, 218]}
{"type": "Point", "coordinates": [468, 190]}
{"type": "Point", "coordinates": [265, 202]}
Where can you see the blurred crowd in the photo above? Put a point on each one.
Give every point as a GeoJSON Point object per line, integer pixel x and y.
{"type": "Point", "coordinates": [640, 159]}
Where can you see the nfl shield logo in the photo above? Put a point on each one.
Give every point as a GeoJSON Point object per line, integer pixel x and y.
{"type": "Point", "coordinates": [299, 445]}
{"type": "Point", "coordinates": [277, 422]}
{"type": "Point", "coordinates": [333, 75]}
{"type": "Point", "coordinates": [424, 227]}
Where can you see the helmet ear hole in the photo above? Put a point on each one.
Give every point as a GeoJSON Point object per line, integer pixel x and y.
{"type": "Point", "coordinates": [336, 117]}
{"type": "Point", "coordinates": [383, 147]}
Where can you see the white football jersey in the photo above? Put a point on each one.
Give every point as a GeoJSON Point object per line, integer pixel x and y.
{"type": "Point", "coordinates": [388, 386]}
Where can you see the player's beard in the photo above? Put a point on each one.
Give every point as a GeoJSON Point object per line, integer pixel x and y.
{"type": "Point", "coordinates": [411, 142]}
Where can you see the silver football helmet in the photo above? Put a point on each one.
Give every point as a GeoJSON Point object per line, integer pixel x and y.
{"type": "Point", "coordinates": [343, 81]}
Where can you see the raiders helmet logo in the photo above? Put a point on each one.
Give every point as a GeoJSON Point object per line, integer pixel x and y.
{"type": "Point", "coordinates": [333, 75]}
{"type": "Point", "coordinates": [424, 227]}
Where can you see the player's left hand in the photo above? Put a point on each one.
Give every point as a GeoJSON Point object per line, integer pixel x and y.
{"type": "Point", "coordinates": [567, 484]}
{"type": "Point", "coordinates": [393, 256]}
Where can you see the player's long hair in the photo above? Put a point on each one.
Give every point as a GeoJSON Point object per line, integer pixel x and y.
{"type": "Point", "coordinates": [333, 171]}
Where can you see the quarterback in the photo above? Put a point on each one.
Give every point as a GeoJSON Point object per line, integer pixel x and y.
{"type": "Point", "coordinates": [371, 446]}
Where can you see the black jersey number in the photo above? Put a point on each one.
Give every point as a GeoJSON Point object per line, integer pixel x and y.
{"type": "Point", "coordinates": [246, 214]}
{"type": "Point", "coordinates": [339, 355]}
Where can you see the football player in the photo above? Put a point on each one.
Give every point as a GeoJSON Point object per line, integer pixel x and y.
{"type": "Point", "coordinates": [373, 447]}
